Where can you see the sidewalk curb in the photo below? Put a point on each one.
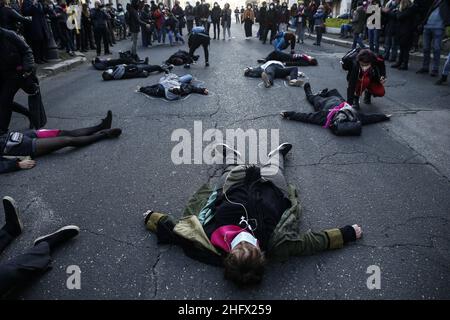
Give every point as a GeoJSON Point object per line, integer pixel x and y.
{"type": "Point", "coordinates": [61, 67]}
{"type": "Point", "coordinates": [348, 44]}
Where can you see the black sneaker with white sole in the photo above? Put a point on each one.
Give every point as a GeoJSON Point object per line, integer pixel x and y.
{"type": "Point", "coordinates": [59, 236]}
{"type": "Point", "coordinates": [224, 148]}
{"type": "Point", "coordinates": [283, 148]}
{"type": "Point", "coordinates": [13, 225]}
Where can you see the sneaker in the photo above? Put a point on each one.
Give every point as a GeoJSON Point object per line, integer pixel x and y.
{"type": "Point", "coordinates": [266, 80]}
{"type": "Point", "coordinates": [13, 225]}
{"type": "Point", "coordinates": [261, 60]}
{"type": "Point", "coordinates": [59, 236]}
{"type": "Point", "coordinates": [206, 64]}
{"type": "Point", "coordinates": [283, 148]}
{"type": "Point", "coordinates": [434, 73]}
{"type": "Point", "coordinates": [296, 82]}
{"type": "Point", "coordinates": [187, 66]}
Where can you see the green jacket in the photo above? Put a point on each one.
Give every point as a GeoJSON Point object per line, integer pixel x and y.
{"type": "Point", "coordinates": [286, 240]}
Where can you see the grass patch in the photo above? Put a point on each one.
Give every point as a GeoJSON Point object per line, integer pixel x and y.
{"type": "Point", "coordinates": [335, 22]}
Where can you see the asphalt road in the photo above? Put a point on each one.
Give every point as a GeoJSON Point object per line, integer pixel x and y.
{"type": "Point", "coordinates": [393, 180]}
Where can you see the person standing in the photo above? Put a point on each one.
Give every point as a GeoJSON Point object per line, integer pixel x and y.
{"type": "Point", "coordinates": [262, 20]}
{"type": "Point", "coordinates": [189, 12]}
{"type": "Point", "coordinates": [99, 20]}
{"type": "Point", "coordinates": [37, 30]}
{"type": "Point", "coordinates": [390, 31]}
{"type": "Point", "coordinates": [87, 27]}
{"type": "Point", "coordinates": [358, 25]}
{"type": "Point", "coordinates": [249, 19]}
{"type": "Point", "coordinates": [216, 13]}
{"type": "Point", "coordinates": [438, 17]}
{"type": "Point", "coordinates": [178, 12]}
{"type": "Point", "coordinates": [405, 15]}
{"type": "Point", "coordinates": [16, 65]}
{"type": "Point", "coordinates": [283, 18]}
{"type": "Point", "coordinates": [301, 20]}
{"type": "Point", "coordinates": [319, 24]}
{"type": "Point", "coordinates": [373, 32]}
{"type": "Point", "coordinates": [226, 21]}
{"type": "Point", "coordinates": [270, 24]}
{"type": "Point", "coordinates": [135, 23]}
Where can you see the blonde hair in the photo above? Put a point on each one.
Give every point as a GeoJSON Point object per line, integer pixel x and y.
{"type": "Point", "coordinates": [405, 4]}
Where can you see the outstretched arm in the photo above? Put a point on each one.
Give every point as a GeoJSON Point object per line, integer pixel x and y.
{"type": "Point", "coordinates": [319, 117]}
{"type": "Point", "coordinates": [311, 242]}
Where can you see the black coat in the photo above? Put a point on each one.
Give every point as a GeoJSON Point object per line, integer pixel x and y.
{"type": "Point", "coordinates": [216, 13]}
{"type": "Point", "coordinates": [38, 29]}
{"type": "Point", "coordinates": [14, 53]}
{"type": "Point", "coordinates": [99, 19]}
{"type": "Point", "coordinates": [405, 27]}
{"type": "Point", "coordinates": [9, 18]}
{"type": "Point", "coordinates": [134, 21]}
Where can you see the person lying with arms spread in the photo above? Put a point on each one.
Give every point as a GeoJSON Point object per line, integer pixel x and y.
{"type": "Point", "coordinates": [252, 213]}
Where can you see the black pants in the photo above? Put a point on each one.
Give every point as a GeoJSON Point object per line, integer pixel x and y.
{"type": "Point", "coordinates": [403, 58]}
{"type": "Point", "coordinates": [261, 31]}
{"type": "Point", "coordinates": [9, 85]}
{"type": "Point", "coordinates": [87, 38]}
{"type": "Point", "coordinates": [273, 32]}
{"type": "Point", "coordinates": [216, 25]}
{"type": "Point", "coordinates": [324, 101]}
{"type": "Point", "coordinates": [248, 28]}
{"type": "Point", "coordinates": [23, 268]}
{"type": "Point", "coordinates": [277, 71]}
{"type": "Point", "coordinates": [190, 25]}
{"type": "Point", "coordinates": [39, 49]}
{"type": "Point", "coordinates": [99, 35]}
{"type": "Point", "coordinates": [196, 43]}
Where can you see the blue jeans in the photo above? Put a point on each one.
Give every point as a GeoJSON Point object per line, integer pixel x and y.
{"type": "Point", "coordinates": [358, 40]}
{"type": "Point", "coordinates": [374, 44]}
{"type": "Point", "coordinates": [434, 35]}
{"type": "Point", "coordinates": [446, 70]}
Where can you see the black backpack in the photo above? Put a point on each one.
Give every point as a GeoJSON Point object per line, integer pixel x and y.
{"type": "Point", "coordinates": [349, 58]}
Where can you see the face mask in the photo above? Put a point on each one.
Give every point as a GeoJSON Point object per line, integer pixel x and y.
{"type": "Point", "coordinates": [244, 236]}
{"type": "Point", "coordinates": [365, 68]}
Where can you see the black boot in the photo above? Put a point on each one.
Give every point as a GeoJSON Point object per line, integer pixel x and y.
{"type": "Point", "coordinates": [356, 103]}
{"type": "Point", "coordinates": [307, 88]}
{"type": "Point", "coordinates": [12, 226]}
{"type": "Point", "coordinates": [442, 80]}
{"type": "Point", "coordinates": [367, 98]}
